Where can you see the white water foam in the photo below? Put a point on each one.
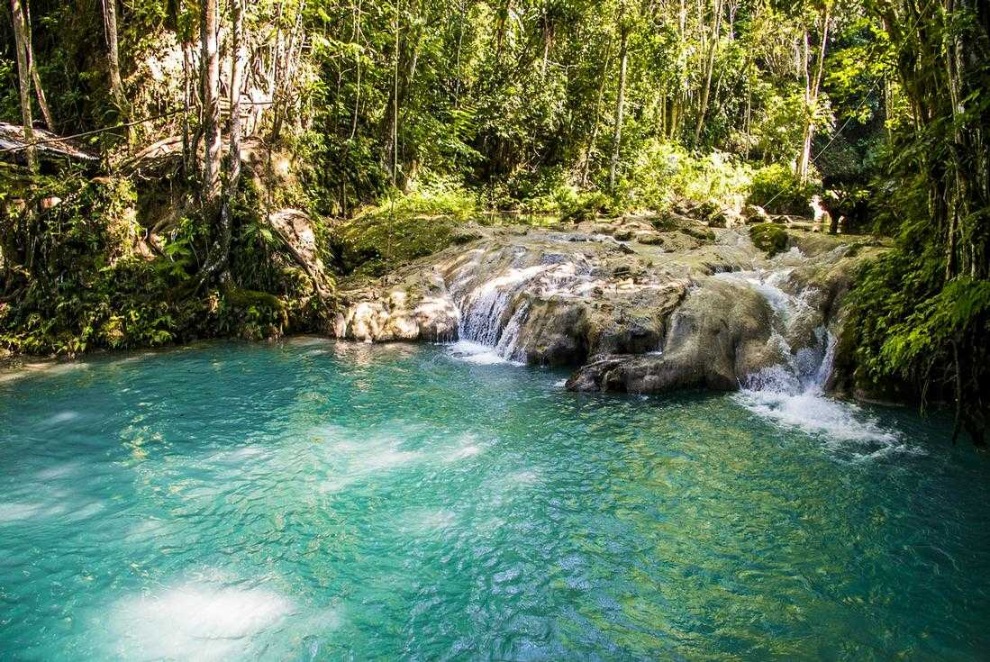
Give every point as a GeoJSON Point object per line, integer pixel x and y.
{"type": "Point", "coordinates": [467, 446]}
{"type": "Point", "coordinates": [478, 354]}
{"type": "Point", "coordinates": [494, 312]}
{"type": "Point", "coordinates": [196, 621]}
{"type": "Point", "coordinates": [359, 455]}
{"type": "Point", "coordinates": [792, 394]}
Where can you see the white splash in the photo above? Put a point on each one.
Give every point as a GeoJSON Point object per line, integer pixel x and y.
{"type": "Point", "coordinates": [427, 521]}
{"type": "Point", "coordinates": [463, 453]}
{"type": "Point", "coordinates": [792, 394]}
{"type": "Point", "coordinates": [19, 512]}
{"type": "Point", "coordinates": [353, 456]}
{"type": "Point", "coordinates": [478, 354]}
{"type": "Point", "coordinates": [494, 312]}
{"type": "Point", "coordinates": [196, 621]}
{"type": "Point", "coordinates": [62, 417]}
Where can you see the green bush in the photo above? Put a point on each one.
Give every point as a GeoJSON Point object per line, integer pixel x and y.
{"type": "Point", "coordinates": [776, 189]}
{"type": "Point", "coordinates": [665, 172]}
{"type": "Point", "coordinates": [585, 206]}
{"type": "Point", "coordinates": [770, 238]}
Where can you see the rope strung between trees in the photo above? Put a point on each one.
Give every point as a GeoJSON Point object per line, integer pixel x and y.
{"type": "Point", "coordinates": [107, 129]}
{"type": "Point", "coordinates": [94, 132]}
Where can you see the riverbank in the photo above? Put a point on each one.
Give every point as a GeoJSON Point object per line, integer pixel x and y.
{"type": "Point", "coordinates": [641, 303]}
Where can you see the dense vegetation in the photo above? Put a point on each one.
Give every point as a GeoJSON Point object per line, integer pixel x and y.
{"type": "Point", "coordinates": [390, 123]}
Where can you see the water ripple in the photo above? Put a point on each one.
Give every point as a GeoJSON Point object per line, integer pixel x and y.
{"type": "Point", "coordinates": [324, 501]}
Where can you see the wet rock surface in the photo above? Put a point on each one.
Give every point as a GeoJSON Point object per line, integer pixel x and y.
{"type": "Point", "coordinates": [639, 304]}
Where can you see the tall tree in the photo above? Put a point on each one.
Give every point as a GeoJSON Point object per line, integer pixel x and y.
{"type": "Point", "coordinates": [222, 257]}
{"type": "Point", "coordinates": [109, 11]}
{"type": "Point", "coordinates": [813, 71]}
{"type": "Point", "coordinates": [210, 100]}
{"type": "Point", "coordinates": [709, 67]}
{"type": "Point", "coordinates": [39, 90]}
{"type": "Point", "coordinates": [620, 101]}
{"type": "Point", "coordinates": [21, 37]}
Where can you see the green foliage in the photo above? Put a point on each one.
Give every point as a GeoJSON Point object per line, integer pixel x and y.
{"type": "Point", "coordinates": [398, 232]}
{"type": "Point", "coordinates": [910, 329]}
{"type": "Point", "coordinates": [665, 172]}
{"type": "Point", "coordinates": [580, 206]}
{"type": "Point", "coordinates": [777, 190]}
{"type": "Point", "coordinates": [80, 275]}
{"type": "Point", "coordinates": [770, 238]}
{"type": "Point", "coordinates": [81, 284]}
{"type": "Point", "coordinates": [923, 313]}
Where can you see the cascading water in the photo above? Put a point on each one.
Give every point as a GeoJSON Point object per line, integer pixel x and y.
{"type": "Point", "coordinates": [494, 312]}
{"type": "Point", "coordinates": [792, 393]}
{"type": "Point", "coordinates": [484, 334]}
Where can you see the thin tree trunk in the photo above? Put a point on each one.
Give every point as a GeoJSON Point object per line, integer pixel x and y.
{"type": "Point", "coordinates": [355, 32]}
{"type": "Point", "coordinates": [39, 92]}
{"type": "Point", "coordinates": [395, 138]}
{"type": "Point", "coordinates": [39, 89]}
{"type": "Point", "coordinates": [284, 69]}
{"type": "Point", "coordinates": [706, 89]}
{"type": "Point", "coordinates": [620, 106]}
{"type": "Point", "coordinates": [547, 39]}
{"type": "Point", "coordinates": [395, 101]}
{"type": "Point", "coordinates": [457, 56]}
{"type": "Point", "coordinates": [598, 110]}
{"type": "Point", "coordinates": [188, 148]}
{"type": "Point", "coordinates": [24, 79]}
{"type": "Point", "coordinates": [403, 75]}
{"type": "Point", "coordinates": [234, 135]}
{"type": "Point", "coordinates": [109, 8]}
{"type": "Point", "coordinates": [813, 81]}
{"type": "Point", "coordinates": [210, 70]}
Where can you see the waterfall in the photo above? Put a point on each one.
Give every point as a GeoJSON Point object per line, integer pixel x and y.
{"type": "Point", "coordinates": [792, 393]}
{"type": "Point", "coordinates": [487, 332]}
{"type": "Point", "coordinates": [494, 311]}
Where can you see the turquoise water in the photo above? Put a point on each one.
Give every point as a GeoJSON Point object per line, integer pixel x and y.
{"type": "Point", "coordinates": [315, 500]}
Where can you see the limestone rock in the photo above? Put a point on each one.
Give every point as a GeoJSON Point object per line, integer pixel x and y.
{"type": "Point", "coordinates": [637, 318]}
{"type": "Point", "coordinates": [718, 336]}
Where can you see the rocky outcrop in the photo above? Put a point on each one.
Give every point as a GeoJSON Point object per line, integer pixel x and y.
{"type": "Point", "coordinates": [394, 318]}
{"type": "Point", "coordinates": [719, 334]}
{"type": "Point", "coordinates": [614, 301]}
{"type": "Point", "coordinates": [295, 227]}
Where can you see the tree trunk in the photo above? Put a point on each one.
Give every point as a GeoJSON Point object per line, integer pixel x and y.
{"type": "Point", "coordinates": [189, 146]}
{"type": "Point", "coordinates": [593, 138]}
{"type": "Point", "coordinates": [24, 79]}
{"type": "Point", "coordinates": [457, 56]}
{"type": "Point", "coordinates": [355, 32]}
{"type": "Point", "coordinates": [404, 65]}
{"type": "Point", "coordinates": [395, 105]}
{"type": "Point", "coordinates": [109, 8]}
{"type": "Point", "coordinates": [706, 89]}
{"type": "Point", "coordinates": [813, 82]}
{"type": "Point", "coordinates": [222, 258]}
{"type": "Point", "coordinates": [620, 106]}
{"type": "Point", "coordinates": [39, 90]}
{"type": "Point", "coordinates": [210, 73]}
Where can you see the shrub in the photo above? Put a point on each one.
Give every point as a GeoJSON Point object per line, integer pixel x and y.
{"type": "Point", "coordinates": [664, 172]}
{"type": "Point", "coordinates": [770, 238]}
{"type": "Point", "coordinates": [776, 189]}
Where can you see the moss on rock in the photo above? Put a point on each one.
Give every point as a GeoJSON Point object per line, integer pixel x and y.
{"type": "Point", "coordinates": [769, 238]}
